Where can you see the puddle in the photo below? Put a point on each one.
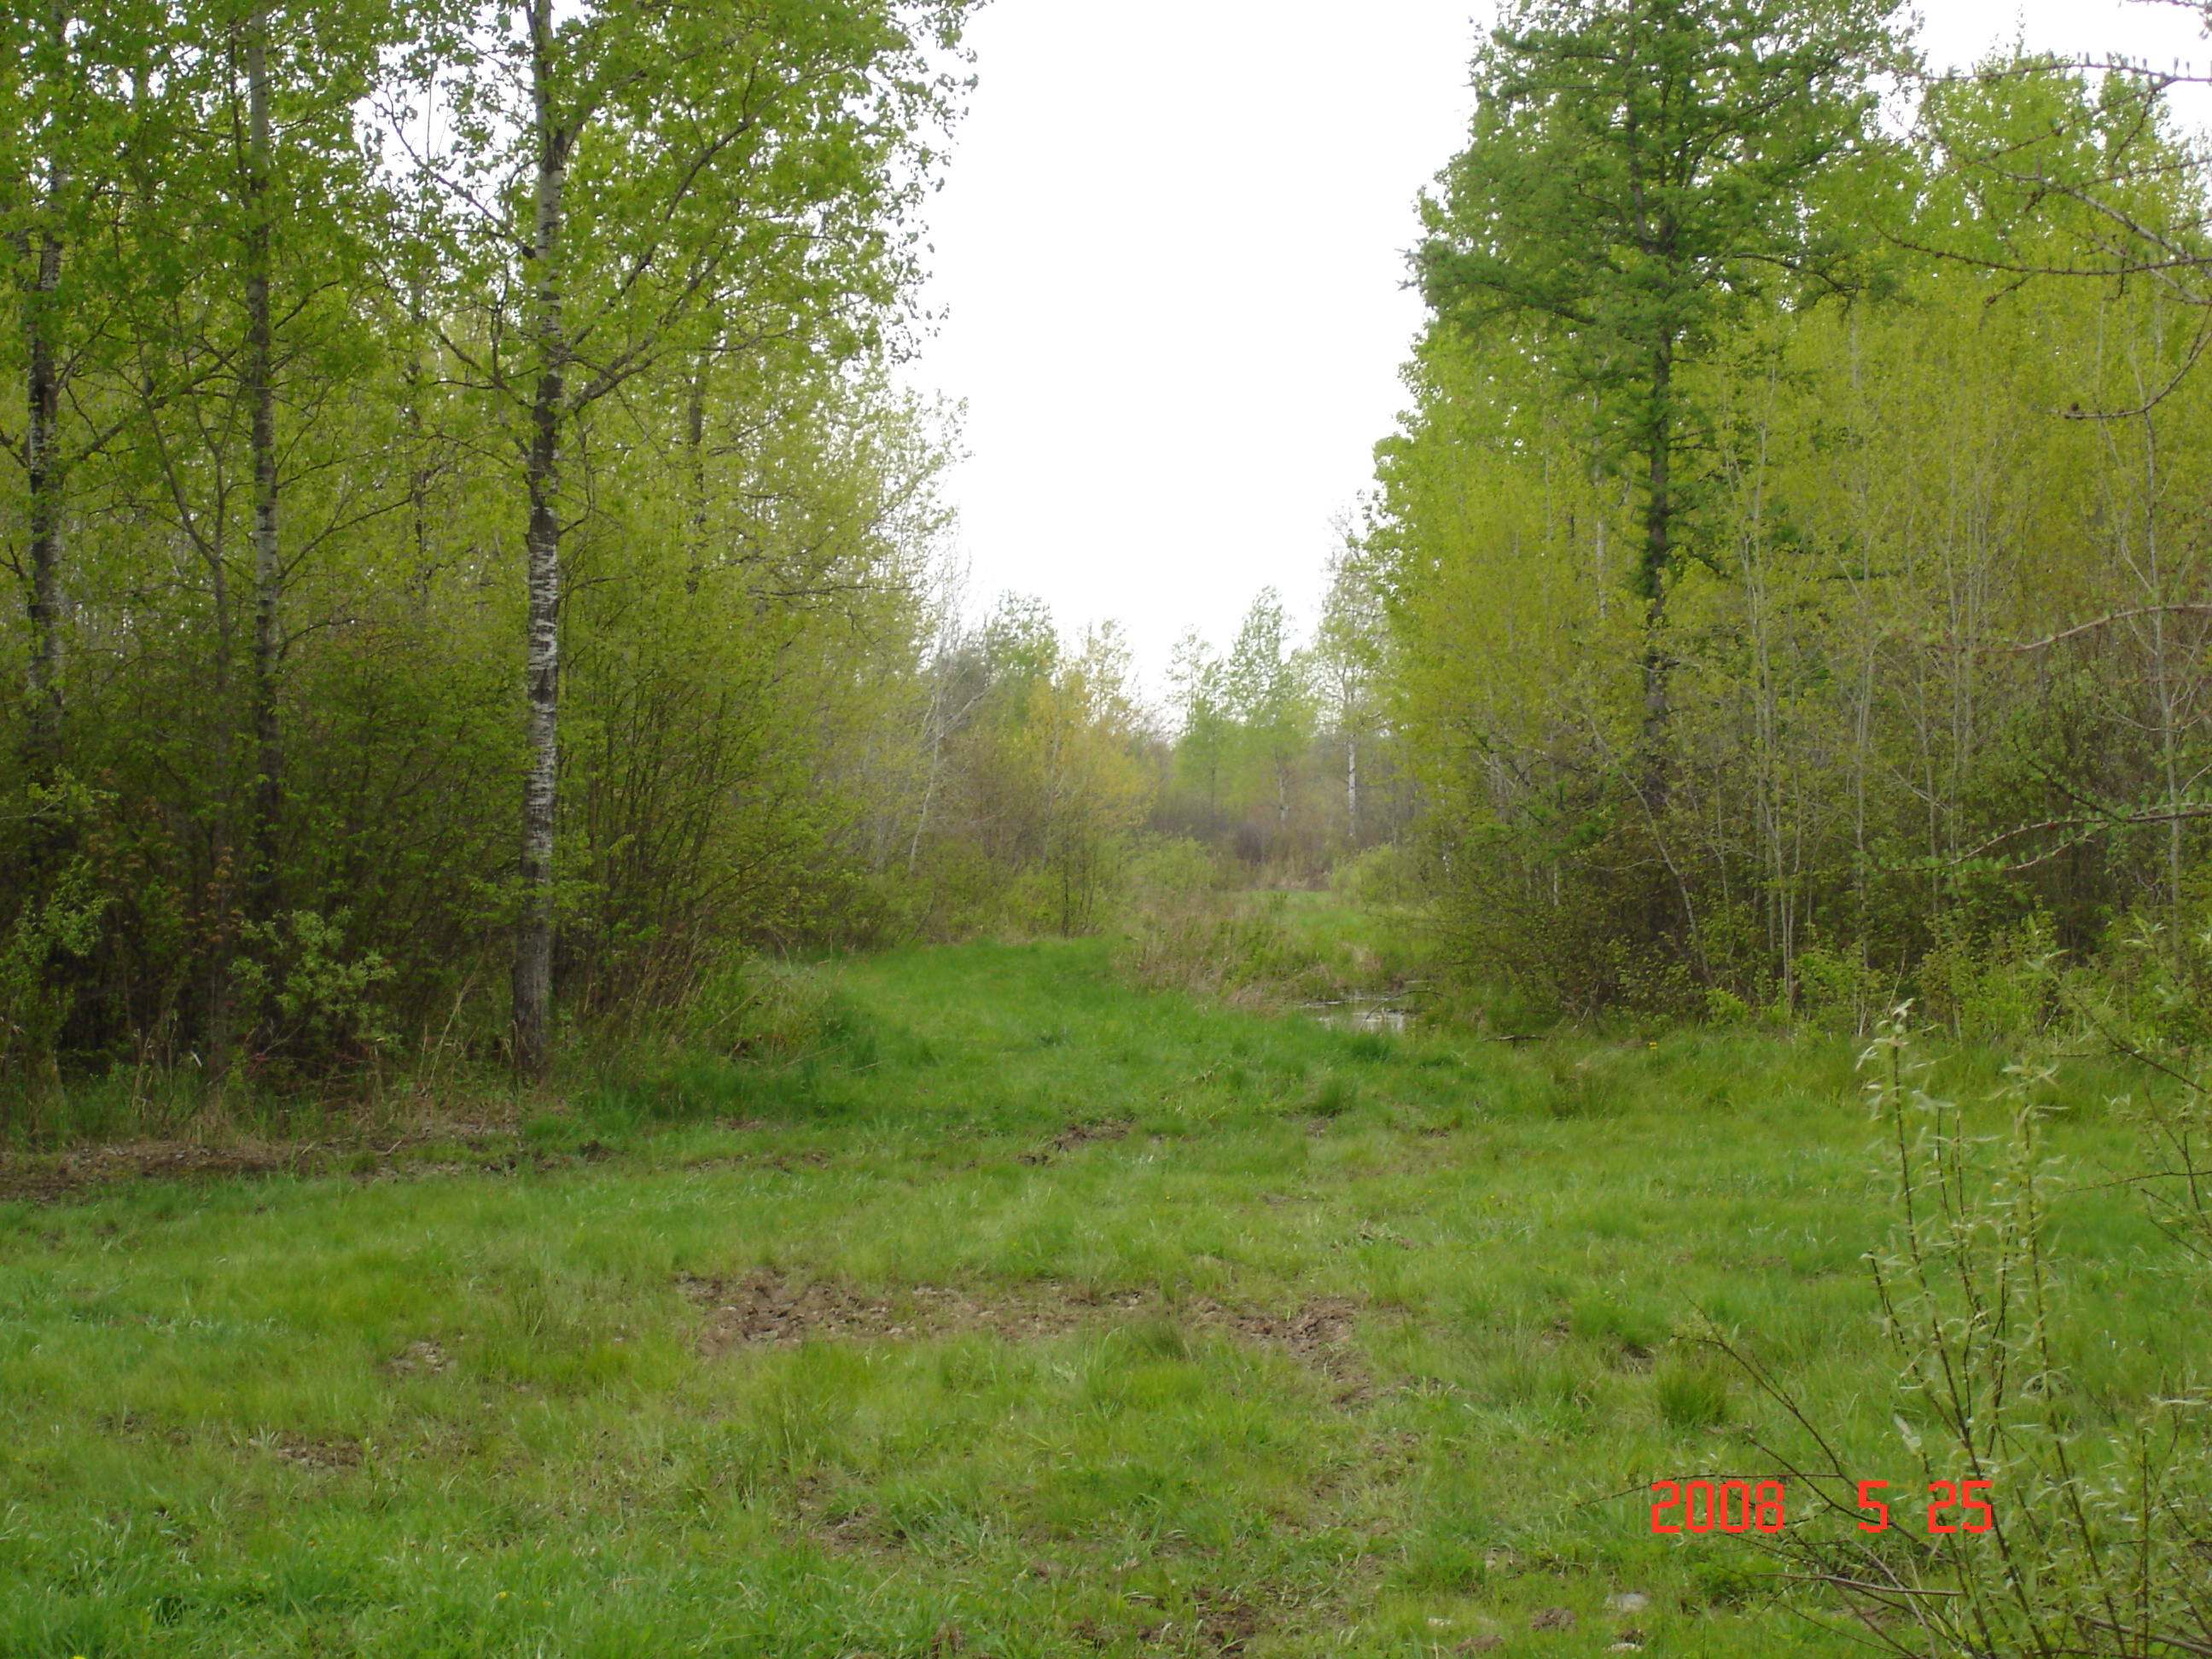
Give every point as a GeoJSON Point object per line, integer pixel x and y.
{"type": "Point", "coordinates": [1362, 1014]}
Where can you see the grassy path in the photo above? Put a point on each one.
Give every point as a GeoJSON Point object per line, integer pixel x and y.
{"type": "Point", "coordinates": [1044, 1318]}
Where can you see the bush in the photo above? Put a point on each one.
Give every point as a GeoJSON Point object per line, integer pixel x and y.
{"type": "Point", "coordinates": [65, 919]}
{"type": "Point", "coordinates": [1379, 876]}
{"type": "Point", "coordinates": [1173, 869]}
{"type": "Point", "coordinates": [1836, 992]}
{"type": "Point", "coordinates": [317, 999]}
{"type": "Point", "coordinates": [1991, 987]}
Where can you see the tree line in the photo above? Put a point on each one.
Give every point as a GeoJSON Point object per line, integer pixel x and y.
{"type": "Point", "coordinates": [1795, 550]}
{"type": "Point", "coordinates": [475, 566]}
{"type": "Point", "coordinates": [476, 569]}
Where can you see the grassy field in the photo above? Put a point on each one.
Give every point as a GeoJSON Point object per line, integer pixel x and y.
{"type": "Point", "coordinates": [1042, 1317]}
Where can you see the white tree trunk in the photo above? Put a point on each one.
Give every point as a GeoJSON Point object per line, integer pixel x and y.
{"type": "Point", "coordinates": [533, 933]}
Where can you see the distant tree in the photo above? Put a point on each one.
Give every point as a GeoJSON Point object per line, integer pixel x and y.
{"type": "Point", "coordinates": [1195, 679]}
{"type": "Point", "coordinates": [1083, 739]}
{"type": "Point", "coordinates": [1270, 697]}
{"type": "Point", "coordinates": [1349, 651]}
{"type": "Point", "coordinates": [82, 128]}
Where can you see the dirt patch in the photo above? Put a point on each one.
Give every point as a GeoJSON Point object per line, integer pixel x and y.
{"type": "Point", "coordinates": [85, 1169]}
{"type": "Point", "coordinates": [771, 1310]}
{"type": "Point", "coordinates": [768, 1309]}
{"type": "Point", "coordinates": [1226, 1622]}
{"type": "Point", "coordinates": [781, 1163]}
{"type": "Point", "coordinates": [1318, 1336]}
{"type": "Point", "coordinates": [304, 1452]}
{"type": "Point", "coordinates": [84, 1172]}
{"type": "Point", "coordinates": [417, 1360]}
{"type": "Point", "coordinates": [1078, 1134]}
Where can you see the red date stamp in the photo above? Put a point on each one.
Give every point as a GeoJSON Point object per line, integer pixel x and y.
{"type": "Point", "coordinates": [1736, 1506]}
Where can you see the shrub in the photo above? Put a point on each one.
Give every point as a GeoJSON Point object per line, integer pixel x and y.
{"type": "Point", "coordinates": [1837, 993]}
{"type": "Point", "coordinates": [2098, 1545]}
{"type": "Point", "coordinates": [1378, 875]}
{"type": "Point", "coordinates": [64, 919]}
{"type": "Point", "coordinates": [1992, 988]}
{"type": "Point", "coordinates": [1236, 946]}
{"type": "Point", "coordinates": [317, 999]}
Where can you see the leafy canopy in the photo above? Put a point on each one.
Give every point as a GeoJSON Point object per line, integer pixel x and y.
{"type": "Point", "coordinates": [1642, 172]}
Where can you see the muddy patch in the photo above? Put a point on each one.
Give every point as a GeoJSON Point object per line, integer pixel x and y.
{"type": "Point", "coordinates": [1226, 1623]}
{"type": "Point", "coordinates": [418, 1359]}
{"type": "Point", "coordinates": [1362, 1014]}
{"type": "Point", "coordinates": [780, 1162]}
{"type": "Point", "coordinates": [88, 1171]}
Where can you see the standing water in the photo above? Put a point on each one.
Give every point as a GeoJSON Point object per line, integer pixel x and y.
{"type": "Point", "coordinates": [1361, 1014]}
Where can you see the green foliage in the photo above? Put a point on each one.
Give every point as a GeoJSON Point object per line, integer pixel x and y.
{"type": "Point", "coordinates": [1993, 989]}
{"type": "Point", "coordinates": [295, 361]}
{"type": "Point", "coordinates": [320, 997]}
{"type": "Point", "coordinates": [1642, 177]}
{"type": "Point", "coordinates": [1168, 872]}
{"type": "Point", "coordinates": [36, 994]}
{"type": "Point", "coordinates": [1037, 777]}
{"type": "Point", "coordinates": [1279, 758]}
{"type": "Point", "coordinates": [1866, 705]}
{"type": "Point", "coordinates": [1377, 877]}
{"type": "Point", "coordinates": [1640, 170]}
{"type": "Point", "coordinates": [1837, 994]}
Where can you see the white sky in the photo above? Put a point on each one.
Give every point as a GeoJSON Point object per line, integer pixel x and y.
{"type": "Point", "coordinates": [1170, 252]}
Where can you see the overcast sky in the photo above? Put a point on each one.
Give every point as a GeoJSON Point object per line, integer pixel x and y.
{"type": "Point", "coordinates": [1169, 255]}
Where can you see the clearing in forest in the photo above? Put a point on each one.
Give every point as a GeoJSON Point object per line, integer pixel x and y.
{"type": "Point", "coordinates": [1046, 1317]}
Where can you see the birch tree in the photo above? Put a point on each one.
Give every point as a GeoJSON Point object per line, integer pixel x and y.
{"type": "Point", "coordinates": [1269, 696]}
{"type": "Point", "coordinates": [84, 96]}
{"type": "Point", "coordinates": [639, 187]}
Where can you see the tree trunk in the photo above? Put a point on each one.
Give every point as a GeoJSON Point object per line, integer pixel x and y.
{"type": "Point", "coordinates": [268, 566]}
{"type": "Point", "coordinates": [533, 933]}
{"type": "Point", "coordinates": [42, 455]}
{"type": "Point", "coordinates": [223, 853]}
{"type": "Point", "coordinates": [1351, 782]}
{"type": "Point", "coordinates": [695, 443]}
{"type": "Point", "coordinates": [1652, 577]}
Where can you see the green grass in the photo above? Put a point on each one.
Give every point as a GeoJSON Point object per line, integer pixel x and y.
{"type": "Point", "coordinates": [1130, 1326]}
